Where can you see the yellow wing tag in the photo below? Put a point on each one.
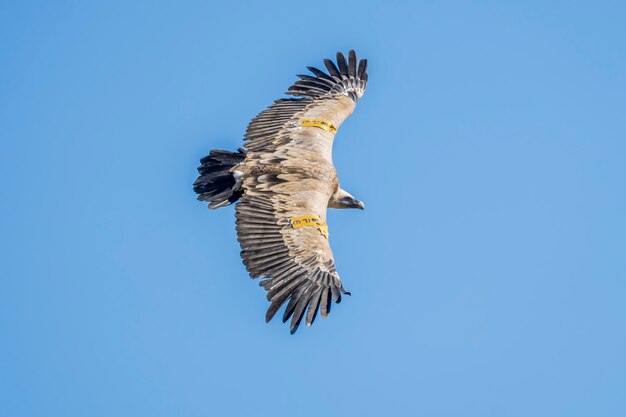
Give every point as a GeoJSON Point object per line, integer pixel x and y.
{"type": "Point", "coordinates": [310, 220]}
{"type": "Point", "coordinates": [327, 125]}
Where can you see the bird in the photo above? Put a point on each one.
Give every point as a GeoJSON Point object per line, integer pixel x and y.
{"type": "Point", "coordinates": [283, 181]}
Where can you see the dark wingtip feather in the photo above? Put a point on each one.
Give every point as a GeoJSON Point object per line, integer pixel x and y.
{"type": "Point", "coordinates": [352, 63]}
{"type": "Point", "coordinates": [336, 294]}
{"type": "Point", "coordinates": [325, 303]}
{"type": "Point", "coordinates": [298, 312]}
{"type": "Point", "coordinates": [293, 301]}
{"type": "Point", "coordinates": [362, 68]}
{"type": "Point", "coordinates": [320, 74]}
{"type": "Point", "coordinates": [343, 66]}
{"type": "Point", "coordinates": [332, 68]}
{"type": "Point", "coordinates": [295, 324]}
{"type": "Point", "coordinates": [271, 311]}
{"type": "Point", "coordinates": [317, 80]}
{"type": "Point", "coordinates": [313, 308]}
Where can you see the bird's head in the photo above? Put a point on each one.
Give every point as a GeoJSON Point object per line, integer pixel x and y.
{"type": "Point", "coordinates": [343, 199]}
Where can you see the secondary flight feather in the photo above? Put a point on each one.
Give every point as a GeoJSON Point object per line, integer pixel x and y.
{"type": "Point", "coordinates": [283, 180]}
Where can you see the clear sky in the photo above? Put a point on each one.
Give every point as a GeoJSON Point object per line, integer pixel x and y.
{"type": "Point", "coordinates": [488, 271]}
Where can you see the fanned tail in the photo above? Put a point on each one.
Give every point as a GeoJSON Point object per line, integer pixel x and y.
{"type": "Point", "coordinates": [217, 183]}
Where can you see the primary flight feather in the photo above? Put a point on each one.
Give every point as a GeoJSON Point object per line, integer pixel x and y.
{"type": "Point", "coordinates": [284, 180]}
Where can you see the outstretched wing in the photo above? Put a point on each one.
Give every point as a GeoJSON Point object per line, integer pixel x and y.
{"type": "Point", "coordinates": [289, 178]}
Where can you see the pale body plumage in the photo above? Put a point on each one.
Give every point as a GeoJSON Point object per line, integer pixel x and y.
{"type": "Point", "coordinates": [286, 172]}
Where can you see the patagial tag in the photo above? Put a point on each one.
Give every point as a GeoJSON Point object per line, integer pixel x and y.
{"type": "Point", "coordinates": [310, 220]}
{"type": "Point", "coordinates": [327, 125]}
{"type": "Point", "coordinates": [303, 221]}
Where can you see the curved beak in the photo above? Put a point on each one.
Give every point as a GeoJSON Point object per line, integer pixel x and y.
{"type": "Point", "coordinates": [360, 204]}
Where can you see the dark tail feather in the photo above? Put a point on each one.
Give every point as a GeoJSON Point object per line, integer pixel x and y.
{"type": "Point", "coordinates": [216, 183]}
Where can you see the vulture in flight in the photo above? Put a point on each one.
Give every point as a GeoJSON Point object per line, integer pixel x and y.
{"type": "Point", "coordinates": [283, 180]}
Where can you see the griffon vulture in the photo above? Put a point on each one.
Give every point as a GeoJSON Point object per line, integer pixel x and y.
{"type": "Point", "coordinates": [284, 180]}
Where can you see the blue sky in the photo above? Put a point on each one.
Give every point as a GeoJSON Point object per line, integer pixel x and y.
{"type": "Point", "coordinates": [488, 271]}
